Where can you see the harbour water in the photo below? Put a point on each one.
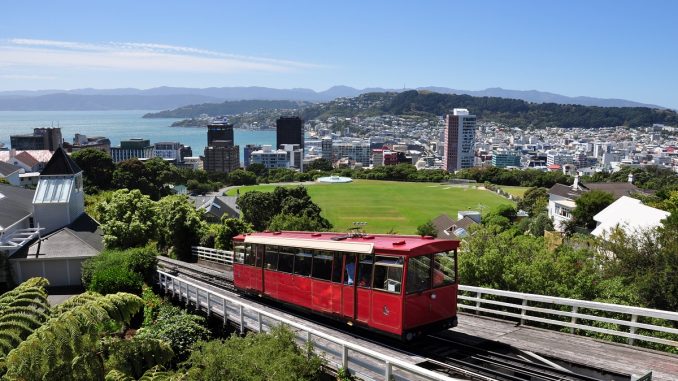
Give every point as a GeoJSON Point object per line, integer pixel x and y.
{"type": "Point", "coordinates": [119, 125]}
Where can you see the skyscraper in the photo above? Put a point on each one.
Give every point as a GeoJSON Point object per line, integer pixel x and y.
{"type": "Point", "coordinates": [219, 130]}
{"type": "Point", "coordinates": [289, 130]}
{"type": "Point", "coordinates": [460, 134]}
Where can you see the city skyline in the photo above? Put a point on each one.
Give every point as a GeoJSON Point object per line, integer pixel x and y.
{"type": "Point", "coordinates": [606, 49]}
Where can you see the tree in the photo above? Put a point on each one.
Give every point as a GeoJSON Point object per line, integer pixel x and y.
{"type": "Point", "coordinates": [229, 228]}
{"type": "Point", "coordinates": [588, 205]}
{"type": "Point", "coordinates": [540, 223]}
{"type": "Point", "coordinates": [97, 167]}
{"type": "Point", "coordinates": [179, 225]}
{"type": "Point", "coordinates": [320, 165]}
{"type": "Point", "coordinates": [534, 201]}
{"type": "Point", "coordinates": [240, 177]}
{"type": "Point", "coordinates": [258, 169]}
{"type": "Point", "coordinates": [132, 174]}
{"type": "Point", "coordinates": [128, 219]}
{"type": "Point", "coordinates": [427, 228]}
{"type": "Point", "coordinates": [295, 223]}
{"type": "Point", "coordinates": [258, 208]}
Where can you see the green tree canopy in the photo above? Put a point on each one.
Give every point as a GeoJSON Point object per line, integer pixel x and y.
{"type": "Point", "coordinates": [320, 165]}
{"type": "Point", "coordinates": [127, 219]}
{"type": "Point", "coordinates": [97, 167]}
{"type": "Point", "coordinates": [241, 177]}
{"type": "Point", "coordinates": [588, 205]}
{"type": "Point", "coordinates": [534, 201]}
{"type": "Point", "coordinates": [427, 228]}
{"type": "Point", "coordinates": [179, 225]}
{"type": "Point", "coordinates": [229, 228]}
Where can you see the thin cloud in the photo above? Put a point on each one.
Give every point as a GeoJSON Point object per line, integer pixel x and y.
{"type": "Point", "coordinates": [23, 52]}
{"type": "Point", "coordinates": [28, 77]}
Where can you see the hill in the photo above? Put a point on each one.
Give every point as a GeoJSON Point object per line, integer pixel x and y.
{"type": "Point", "coordinates": [225, 108]}
{"type": "Point", "coordinates": [160, 98]}
{"type": "Point", "coordinates": [511, 112]}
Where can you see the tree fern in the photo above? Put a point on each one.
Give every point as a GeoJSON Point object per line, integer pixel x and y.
{"type": "Point", "coordinates": [75, 301]}
{"type": "Point", "coordinates": [116, 375]}
{"type": "Point", "coordinates": [22, 310]}
{"type": "Point", "coordinates": [69, 341]}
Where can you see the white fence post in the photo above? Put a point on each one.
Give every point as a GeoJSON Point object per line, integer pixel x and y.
{"type": "Point", "coordinates": [523, 312]}
{"type": "Point", "coordinates": [632, 329]}
{"type": "Point", "coordinates": [479, 295]}
{"type": "Point", "coordinates": [574, 318]}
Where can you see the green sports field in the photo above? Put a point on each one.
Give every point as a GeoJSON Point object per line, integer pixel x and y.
{"type": "Point", "coordinates": [392, 206]}
{"type": "Point", "coordinates": [515, 191]}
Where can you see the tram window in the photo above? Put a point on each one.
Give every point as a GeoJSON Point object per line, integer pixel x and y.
{"type": "Point", "coordinates": [259, 249]}
{"type": "Point", "coordinates": [365, 270]}
{"type": "Point", "coordinates": [336, 267]}
{"type": "Point", "coordinates": [388, 274]}
{"type": "Point", "coordinates": [250, 256]}
{"type": "Point", "coordinates": [239, 252]}
{"type": "Point", "coordinates": [443, 269]}
{"type": "Point", "coordinates": [271, 258]}
{"type": "Point", "coordinates": [349, 269]}
{"type": "Point", "coordinates": [322, 265]}
{"type": "Point", "coordinates": [418, 274]}
{"type": "Point", "coordinates": [286, 259]}
{"type": "Point", "coordinates": [302, 263]}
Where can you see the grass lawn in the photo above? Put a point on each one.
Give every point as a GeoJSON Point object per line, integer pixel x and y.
{"type": "Point", "coordinates": [514, 191]}
{"type": "Point", "coordinates": [389, 205]}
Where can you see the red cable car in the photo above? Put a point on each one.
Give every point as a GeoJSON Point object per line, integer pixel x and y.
{"type": "Point", "coordinates": [402, 286]}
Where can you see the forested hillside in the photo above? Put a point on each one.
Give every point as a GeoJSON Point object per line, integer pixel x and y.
{"type": "Point", "coordinates": [225, 108]}
{"type": "Point", "coordinates": [512, 112]}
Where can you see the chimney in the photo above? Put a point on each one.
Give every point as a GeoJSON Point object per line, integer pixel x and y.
{"type": "Point", "coordinates": [12, 153]}
{"type": "Point", "coordinates": [575, 184]}
{"type": "Point", "coordinates": [630, 178]}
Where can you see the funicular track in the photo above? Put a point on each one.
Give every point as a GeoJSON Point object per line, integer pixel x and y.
{"type": "Point", "coordinates": [448, 356]}
{"type": "Point", "coordinates": [441, 354]}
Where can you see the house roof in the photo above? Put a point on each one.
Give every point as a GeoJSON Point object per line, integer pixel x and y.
{"type": "Point", "coordinates": [442, 223]}
{"type": "Point", "coordinates": [7, 169]}
{"type": "Point", "coordinates": [629, 214]}
{"type": "Point", "coordinates": [40, 155]}
{"type": "Point", "coordinates": [82, 238]}
{"type": "Point", "coordinates": [15, 204]}
{"type": "Point", "coordinates": [60, 164]}
{"type": "Point", "coordinates": [218, 205]}
{"type": "Point", "coordinates": [27, 159]}
{"type": "Point", "coordinates": [617, 189]}
{"type": "Point", "coordinates": [465, 223]}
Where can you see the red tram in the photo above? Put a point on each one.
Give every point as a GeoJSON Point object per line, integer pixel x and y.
{"type": "Point", "coordinates": [402, 286]}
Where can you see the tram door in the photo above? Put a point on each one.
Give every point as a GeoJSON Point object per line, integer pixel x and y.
{"type": "Point", "coordinates": [348, 287]}
{"type": "Point", "coordinates": [257, 279]}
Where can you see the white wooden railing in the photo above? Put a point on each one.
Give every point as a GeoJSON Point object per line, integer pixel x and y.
{"type": "Point", "coordinates": [555, 311]}
{"type": "Point", "coordinates": [361, 361]}
{"type": "Point", "coordinates": [568, 313]}
{"type": "Point", "coordinates": [224, 257]}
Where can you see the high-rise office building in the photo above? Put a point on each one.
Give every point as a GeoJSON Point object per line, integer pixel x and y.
{"type": "Point", "coordinates": [219, 130]}
{"type": "Point", "coordinates": [289, 130]}
{"type": "Point", "coordinates": [326, 149]}
{"type": "Point", "coordinates": [460, 134]}
{"type": "Point", "coordinates": [221, 156]}
{"type": "Point", "coordinates": [41, 139]}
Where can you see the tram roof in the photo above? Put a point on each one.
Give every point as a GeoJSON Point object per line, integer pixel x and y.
{"type": "Point", "coordinates": [386, 243]}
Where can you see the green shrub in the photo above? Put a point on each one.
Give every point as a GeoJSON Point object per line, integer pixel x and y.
{"type": "Point", "coordinates": [143, 261]}
{"type": "Point", "coordinates": [254, 357]}
{"type": "Point", "coordinates": [104, 260]}
{"type": "Point", "coordinates": [116, 279]}
{"type": "Point", "coordinates": [177, 327]}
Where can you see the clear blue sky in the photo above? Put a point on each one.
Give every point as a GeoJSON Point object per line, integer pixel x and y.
{"type": "Point", "coordinates": [612, 49]}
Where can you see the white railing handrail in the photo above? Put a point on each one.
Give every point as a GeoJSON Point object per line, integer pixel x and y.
{"type": "Point", "coordinates": [213, 255]}
{"type": "Point", "coordinates": [389, 360]}
{"type": "Point", "coordinates": [620, 308]}
{"type": "Point", "coordinates": [494, 307]}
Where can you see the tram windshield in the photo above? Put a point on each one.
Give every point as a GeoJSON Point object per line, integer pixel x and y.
{"type": "Point", "coordinates": [429, 271]}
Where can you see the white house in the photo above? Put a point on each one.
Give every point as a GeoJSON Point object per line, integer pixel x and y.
{"type": "Point", "coordinates": [628, 214]}
{"type": "Point", "coordinates": [10, 173]}
{"type": "Point", "coordinates": [45, 232]}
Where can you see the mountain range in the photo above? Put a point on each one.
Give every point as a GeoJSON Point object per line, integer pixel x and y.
{"type": "Point", "coordinates": [161, 98]}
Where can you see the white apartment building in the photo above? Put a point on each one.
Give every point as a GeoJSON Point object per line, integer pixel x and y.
{"type": "Point", "coordinates": [270, 158]}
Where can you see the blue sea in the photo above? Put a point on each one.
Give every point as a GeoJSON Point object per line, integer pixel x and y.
{"type": "Point", "coordinates": [119, 125]}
